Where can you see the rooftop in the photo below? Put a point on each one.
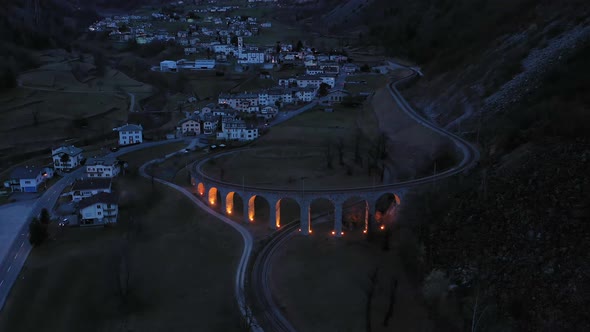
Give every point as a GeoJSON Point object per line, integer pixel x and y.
{"type": "Point", "coordinates": [107, 198]}
{"type": "Point", "coordinates": [89, 184]}
{"type": "Point", "coordinates": [69, 150]}
{"type": "Point", "coordinates": [101, 161]}
{"type": "Point", "coordinates": [26, 172]}
{"type": "Point", "coordinates": [129, 127]}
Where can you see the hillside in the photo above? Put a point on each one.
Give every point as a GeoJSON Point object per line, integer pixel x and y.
{"type": "Point", "coordinates": [27, 26]}
{"type": "Point", "coordinates": [512, 77]}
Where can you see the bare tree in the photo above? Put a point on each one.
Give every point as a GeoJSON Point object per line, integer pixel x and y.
{"type": "Point", "coordinates": [392, 299]}
{"type": "Point", "coordinates": [477, 316]}
{"type": "Point", "coordinates": [370, 291]}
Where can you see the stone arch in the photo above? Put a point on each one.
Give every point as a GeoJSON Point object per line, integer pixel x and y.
{"type": "Point", "coordinates": [385, 208]}
{"type": "Point", "coordinates": [323, 209]}
{"type": "Point", "coordinates": [259, 209]}
{"type": "Point", "coordinates": [234, 204]}
{"type": "Point", "coordinates": [201, 189]}
{"type": "Point", "coordinates": [356, 211]}
{"type": "Point", "coordinates": [214, 197]}
{"type": "Point", "coordinates": [287, 210]}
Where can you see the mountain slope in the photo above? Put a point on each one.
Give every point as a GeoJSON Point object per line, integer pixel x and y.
{"type": "Point", "coordinates": [512, 77]}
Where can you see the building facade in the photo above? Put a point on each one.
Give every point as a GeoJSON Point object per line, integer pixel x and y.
{"type": "Point", "coordinates": [130, 134]}
{"type": "Point", "coordinates": [66, 158]}
{"type": "Point", "coordinates": [102, 168]}
{"type": "Point", "coordinates": [100, 209]}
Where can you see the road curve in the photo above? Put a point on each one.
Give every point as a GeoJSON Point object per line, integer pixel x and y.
{"type": "Point", "coordinates": [470, 157]}
{"type": "Point", "coordinates": [271, 316]}
{"type": "Point", "coordinates": [246, 237]}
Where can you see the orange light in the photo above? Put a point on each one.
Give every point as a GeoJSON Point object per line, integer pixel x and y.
{"type": "Point", "coordinates": [251, 219]}
{"type": "Point", "coordinates": [278, 226]}
{"type": "Point", "coordinates": [333, 232]}
{"type": "Point", "coordinates": [341, 233]}
{"type": "Point", "coordinates": [365, 231]}
{"type": "Point", "coordinates": [228, 211]}
{"type": "Point", "coordinates": [382, 227]}
{"type": "Point", "coordinates": [300, 229]}
{"type": "Point", "coordinates": [310, 231]}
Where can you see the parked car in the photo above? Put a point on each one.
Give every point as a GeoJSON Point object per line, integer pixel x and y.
{"type": "Point", "coordinates": [64, 222]}
{"type": "Point", "coordinates": [115, 148]}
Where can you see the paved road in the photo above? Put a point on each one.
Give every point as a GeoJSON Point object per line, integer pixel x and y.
{"type": "Point", "coordinates": [132, 102]}
{"type": "Point", "coordinates": [246, 252]}
{"type": "Point", "coordinates": [14, 258]}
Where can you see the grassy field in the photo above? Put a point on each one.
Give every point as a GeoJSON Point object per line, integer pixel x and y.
{"type": "Point", "coordinates": [314, 128]}
{"type": "Point", "coordinates": [309, 137]}
{"type": "Point", "coordinates": [57, 113]}
{"type": "Point", "coordinates": [62, 100]}
{"type": "Point", "coordinates": [138, 158]}
{"type": "Point", "coordinates": [372, 82]}
{"type": "Point", "coordinates": [320, 284]}
{"type": "Point", "coordinates": [294, 168]}
{"type": "Point", "coordinates": [71, 283]}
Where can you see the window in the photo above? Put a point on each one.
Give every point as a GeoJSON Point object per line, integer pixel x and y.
{"type": "Point", "coordinates": [99, 213]}
{"type": "Point", "coordinates": [27, 182]}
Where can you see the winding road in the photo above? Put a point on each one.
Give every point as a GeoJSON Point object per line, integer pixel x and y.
{"type": "Point", "coordinates": [271, 316]}
{"type": "Point", "coordinates": [246, 252]}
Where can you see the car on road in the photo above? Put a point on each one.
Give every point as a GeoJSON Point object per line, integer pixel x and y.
{"type": "Point", "coordinates": [213, 146]}
{"type": "Point", "coordinates": [222, 145]}
{"type": "Point", "coordinates": [64, 222]}
{"type": "Point", "coordinates": [115, 148]}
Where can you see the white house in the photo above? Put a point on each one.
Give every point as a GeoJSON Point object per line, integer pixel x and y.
{"type": "Point", "coordinates": [28, 178]}
{"type": "Point", "coordinates": [130, 134]}
{"type": "Point", "coordinates": [337, 95]}
{"type": "Point", "coordinates": [313, 70]}
{"type": "Point", "coordinates": [236, 129]}
{"type": "Point", "coordinates": [190, 126]}
{"type": "Point", "coordinates": [66, 158]}
{"type": "Point", "coordinates": [268, 112]}
{"type": "Point", "coordinates": [309, 81]}
{"type": "Point", "coordinates": [102, 167]}
{"type": "Point", "coordinates": [305, 94]}
{"type": "Point", "coordinates": [89, 187]}
{"type": "Point", "coordinates": [251, 58]}
{"type": "Point", "coordinates": [246, 102]}
{"type": "Point", "coordinates": [168, 65]}
{"type": "Point", "coordinates": [210, 123]}
{"type": "Point", "coordinates": [99, 209]}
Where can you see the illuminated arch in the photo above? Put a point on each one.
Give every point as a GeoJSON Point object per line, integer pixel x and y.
{"type": "Point", "coordinates": [201, 189]}
{"type": "Point", "coordinates": [287, 210]}
{"type": "Point", "coordinates": [212, 196]}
